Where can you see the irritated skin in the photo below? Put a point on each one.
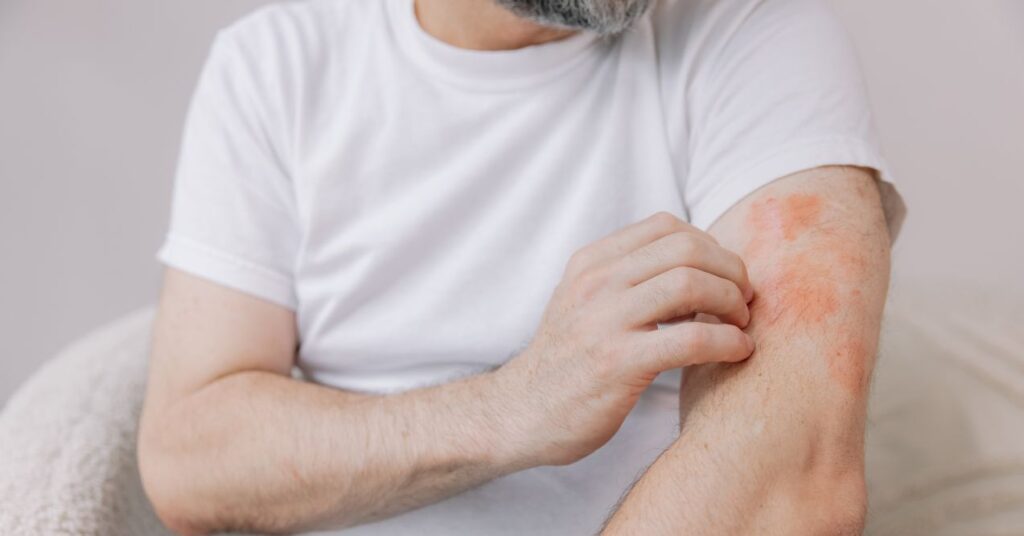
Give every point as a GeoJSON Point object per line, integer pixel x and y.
{"type": "Point", "coordinates": [811, 287]}
{"type": "Point", "coordinates": [774, 445]}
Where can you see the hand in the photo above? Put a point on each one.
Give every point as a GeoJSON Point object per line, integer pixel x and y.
{"type": "Point", "coordinates": [599, 346]}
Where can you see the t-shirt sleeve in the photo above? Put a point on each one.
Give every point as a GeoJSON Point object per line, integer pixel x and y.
{"type": "Point", "coordinates": [777, 89]}
{"type": "Point", "coordinates": [233, 217]}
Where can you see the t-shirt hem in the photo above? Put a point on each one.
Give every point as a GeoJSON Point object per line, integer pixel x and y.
{"type": "Point", "coordinates": [794, 158]}
{"type": "Point", "coordinates": [223, 268]}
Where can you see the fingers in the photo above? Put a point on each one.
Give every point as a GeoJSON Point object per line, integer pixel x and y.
{"type": "Point", "coordinates": [681, 292]}
{"type": "Point", "coordinates": [693, 343]}
{"type": "Point", "coordinates": [630, 238]}
{"type": "Point", "coordinates": [684, 249]}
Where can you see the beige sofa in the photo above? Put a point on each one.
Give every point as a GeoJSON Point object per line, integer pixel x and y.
{"type": "Point", "coordinates": [945, 438]}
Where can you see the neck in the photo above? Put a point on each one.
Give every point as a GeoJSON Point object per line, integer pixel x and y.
{"type": "Point", "coordinates": [482, 25]}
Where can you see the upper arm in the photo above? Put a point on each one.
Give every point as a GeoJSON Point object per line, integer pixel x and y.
{"type": "Point", "coordinates": [204, 331]}
{"type": "Point", "coordinates": [811, 208]}
{"type": "Point", "coordinates": [816, 246]}
{"type": "Point", "coordinates": [776, 91]}
{"type": "Point", "coordinates": [229, 295]}
{"type": "Point", "coordinates": [774, 88]}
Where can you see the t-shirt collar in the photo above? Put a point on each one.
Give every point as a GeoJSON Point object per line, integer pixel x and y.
{"type": "Point", "coordinates": [486, 70]}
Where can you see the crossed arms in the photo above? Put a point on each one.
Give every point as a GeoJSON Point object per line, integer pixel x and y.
{"type": "Point", "coordinates": [773, 444]}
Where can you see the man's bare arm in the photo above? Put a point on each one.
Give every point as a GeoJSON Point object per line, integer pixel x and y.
{"type": "Point", "coordinates": [774, 445]}
{"type": "Point", "coordinates": [229, 441]}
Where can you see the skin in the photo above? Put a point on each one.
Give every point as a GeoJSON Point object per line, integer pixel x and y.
{"type": "Point", "coordinates": [775, 445]}
{"type": "Point", "coordinates": [229, 441]}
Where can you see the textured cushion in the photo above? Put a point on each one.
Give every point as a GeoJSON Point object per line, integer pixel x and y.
{"type": "Point", "coordinates": [67, 440]}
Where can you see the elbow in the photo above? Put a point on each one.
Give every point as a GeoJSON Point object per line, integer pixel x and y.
{"type": "Point", "coordinates": [830, 476]}
{"type": "Point", "coordinates": [163, 485]}
{"type": "Point", "coordinates": [820, 491]}
{"type": "Point", "coordinates": [819, 509]}
{"type": "Point", "coordinates": [838, 500]}
{"type": "Point", "coordinates": [847, 514]}
{"type": "Point", "coordinates": [174, 521]}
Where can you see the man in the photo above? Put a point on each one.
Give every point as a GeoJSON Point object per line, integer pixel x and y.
{"type": "Point", "coordinates": [483, 229]}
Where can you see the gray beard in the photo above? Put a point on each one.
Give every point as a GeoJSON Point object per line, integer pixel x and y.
{"type": "Point", "coordinates": [605, 17]}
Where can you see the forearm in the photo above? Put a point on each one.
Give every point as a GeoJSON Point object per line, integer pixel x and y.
{"type": "Point", "coordinates": [261, 452]}
{"type": "Point", "coordinates": [774, 445]}
{"type": "Point", "coordinates": [223, 446]}
{"type": "Point", "coordinates": [771, 447]}
{"type": "Point", "coordinates": [715, 481]}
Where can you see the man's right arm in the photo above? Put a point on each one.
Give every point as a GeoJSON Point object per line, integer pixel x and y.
{"type": "Point", "coordinates": [229, 441]}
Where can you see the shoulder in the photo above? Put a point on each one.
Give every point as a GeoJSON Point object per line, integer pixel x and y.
{"type": "Point", "coordinates": [723, 14]}
{"type": "Point", "coordinates": [703, 44]}
{"type": "Point", "coordinates": [278, 50]}
{"type": "Point", "coordinates": [300, 29]}
{"type": "Point", "coordinates": [309, 17]}
{"type": "Point", "coordinates": [702, 28]}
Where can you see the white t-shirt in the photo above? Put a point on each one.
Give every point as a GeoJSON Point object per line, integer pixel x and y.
{"type": "Point", "coordinates": [415, 203]}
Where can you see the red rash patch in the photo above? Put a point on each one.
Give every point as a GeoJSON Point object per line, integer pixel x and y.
{"type": "Point", "coordinates": [801, 289]}
{"type": "Point", "coordinates": [787, 218]}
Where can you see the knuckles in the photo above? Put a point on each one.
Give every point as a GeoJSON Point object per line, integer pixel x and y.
{"type": "Point", "coordinates": [685, 248]}
{"type": "Point", "coordinates": [682, 282]}
{"type": "Point", "coordinates": [694, 341]}
{"type": "Point", "coordinates": [588, 283]}
{"type": "Point", "coordinates": [578, 261]}
{"type": "Point", "coordinates": [685, 345]}
{"type": "Point", "coordinates": [664, 221]}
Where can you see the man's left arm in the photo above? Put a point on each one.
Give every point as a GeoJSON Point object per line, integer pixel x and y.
{"type": "Point", "coordinates": [775, 445]}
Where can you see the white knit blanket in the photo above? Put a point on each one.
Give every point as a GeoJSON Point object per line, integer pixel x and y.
{"type": "Point", "coordinates": [945, 432]}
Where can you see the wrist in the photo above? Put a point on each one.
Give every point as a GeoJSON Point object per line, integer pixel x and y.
{"type": "Point", "coordinates": [512, 446]}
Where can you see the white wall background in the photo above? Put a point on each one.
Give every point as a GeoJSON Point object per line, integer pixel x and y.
{"type": "Point", "coordinates": [93, 95]}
